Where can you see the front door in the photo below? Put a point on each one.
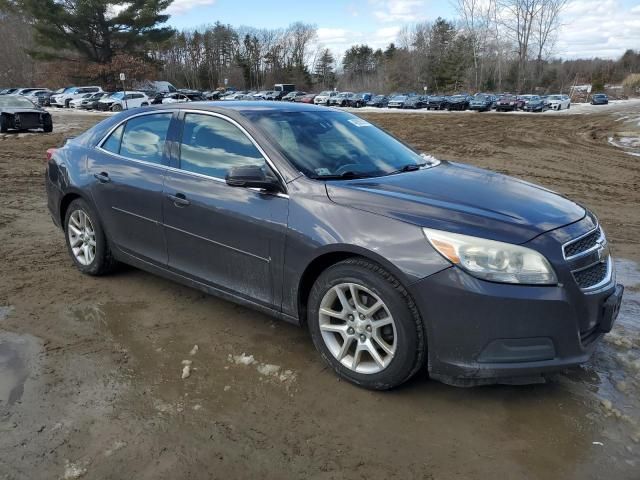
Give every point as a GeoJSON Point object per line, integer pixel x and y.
{"type": "Point", "coordinates": [228, 237]}
{"type": "Point", "coordinates": [127, 171]}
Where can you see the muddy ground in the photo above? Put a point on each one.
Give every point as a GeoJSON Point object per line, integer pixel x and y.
{"type": "Point", "coordinates": [90, 368]}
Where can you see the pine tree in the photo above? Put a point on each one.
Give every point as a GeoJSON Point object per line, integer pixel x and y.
{"type": "Point", "coordinates": [323, 70]}
{"type": "Point", "coordinates": [96, 30]}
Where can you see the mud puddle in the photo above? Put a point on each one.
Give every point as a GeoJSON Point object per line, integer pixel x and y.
{"type": "Point", "coordinates": [17, 353]}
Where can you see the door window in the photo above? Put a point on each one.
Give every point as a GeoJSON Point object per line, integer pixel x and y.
{"type": "Point", "coordinates": [112, 144]}
{"type": "Point", "coordinates": [211, 146]}
{"type": "Point", "coordinates": [144, 137]}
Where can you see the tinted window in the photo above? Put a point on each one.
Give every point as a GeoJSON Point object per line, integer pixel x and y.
{"type": "Point", "coordinates": [211, 146]}
{"type": "Point", "coordinates": [112, 143]}
{"type": "Point", "coordinates": [144, 137]}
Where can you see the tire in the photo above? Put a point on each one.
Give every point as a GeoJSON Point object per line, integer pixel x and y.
{"type": "Point", "coordinates": [47, 126]}
{"type": "Point", "coordinates": [67, 103]}
{"type": "Point", "coordinates": [144, 104]}
{"type": "Point", "coordinates": [116, 108]}
{"type": "Point", "coordinates": [4, 124]}
{"type": "Point", "coordinates": [406, 331]}
{"type": "Point", "coordinates": [102, 261]}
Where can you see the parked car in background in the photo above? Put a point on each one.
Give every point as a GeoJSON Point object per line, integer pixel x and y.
{"type": "Point", "coordinates": [323, 97]}
{"type": "Point", "coordinates": [281, 89]}
{"type": "Point", "coordinates": [91, 102]}
{"type": "Point", "coordinates": [183, 97]}
{"type": "Point", "coordinates": [393, 260]}
{"type": "Point", "coordinates": [340, 100]}
{"type": "Point", "coordinates": [379, 101]}
{"type": "Point", "coordinates": [415, 102]}
{"type": "Point", "coordinates": [8, 91]}
{"type": "Point", "coordinates": [559, 102]}
{"type": "Point", "coordinates": [509, 103]}
{"type": "Point", "coordinates": [358, 100]}
{"type": "Point", "coordinates": [458, 102]}
{"type": "Point", "coordinates": [482, 102]}
{"type": "Point", "coordinates": [536, 104]}
{"type": "Point", "coordinates": [118, 101]}
{"type": "Point", "coordinates": [436, 102]}
{"type": "Point", "coordinates": [75, 103]}
{"type": "Point", "coordinates": [64, 99]}
{"type": "Point", "coordinates": [291, 96]}
{"type": "Point", "coordinates": [19, 113]}
{"type": "Point", "coordinates": [40, 97]}
{"type": "Point", "coordinates": [599, 99]}
{"type": "Point", "coordinates": [308, 98]}
{"type": "Point", "coordinates": [397, 101]}
{"type": "Point", "coordinates": [27, 91]}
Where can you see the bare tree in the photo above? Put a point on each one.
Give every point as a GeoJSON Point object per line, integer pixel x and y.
{"type": "Point", "coordinates": [476, 19]}
{"type": "Point", "coordinates": [546, 26]}
{"type": "Point", "coordinates": [518, 18]}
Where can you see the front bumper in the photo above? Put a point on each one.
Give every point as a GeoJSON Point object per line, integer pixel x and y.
{"type": "Point", "coordinates": [480, 332]}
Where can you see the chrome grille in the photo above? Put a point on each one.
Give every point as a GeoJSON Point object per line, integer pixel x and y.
{"type": "Point", "coordinates": [584, 244]}
{"type": "Point", "coordinates": [593, 275]}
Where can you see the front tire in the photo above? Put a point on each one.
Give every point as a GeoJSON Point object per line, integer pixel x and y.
{"type": "Point", "coordinates": [4, 124]}
{"type": "Point", "coordinates": [116, 108]}
{"type": "Point", "coordinates": [86, 241]}
{"type": "Point", "coordinates": [365, 325]}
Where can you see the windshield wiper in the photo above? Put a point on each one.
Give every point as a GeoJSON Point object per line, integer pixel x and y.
{"type": "Point", "coordinates": [343, 176]}
{"type": "Point", "coordinates": [409, 167]}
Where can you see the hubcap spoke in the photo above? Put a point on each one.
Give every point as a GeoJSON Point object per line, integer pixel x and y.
{"type": "Point", "coordinates": [332, 313]}
{"type": "Point", "coordinates": [329, 327]}
{"type": "Point", "coordinates": [374, 353]}
{"type": "Point", "coordinates": [345, 348]}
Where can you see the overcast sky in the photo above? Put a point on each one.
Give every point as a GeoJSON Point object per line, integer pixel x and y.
{"type": "Point", "coordinates": [591, 28]}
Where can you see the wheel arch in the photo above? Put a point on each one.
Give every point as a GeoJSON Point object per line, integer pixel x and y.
{"type": "Point", "coordinates": [329, 257]}
{"type": "Point", "coordinates": [66, 200]}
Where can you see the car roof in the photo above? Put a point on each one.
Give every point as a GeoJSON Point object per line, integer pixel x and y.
{"type": "Point", "coordinates": [247, 106]}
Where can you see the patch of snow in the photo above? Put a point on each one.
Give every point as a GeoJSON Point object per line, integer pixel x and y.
{"type": "Point", "coordinates": [598, 443]}
{"type": "Point", "coordinates": [73, 471]}
{"type": "Point", "coordinates": [186, 372]}
{"type": "Point", "coordinates": [187, 362]}
{"type": "Point", "coordinates": [227, 388]}
{"type": "Point", "coordinates": [242, 359]}
{"type": "Point", "coordinates": [194, 350]}
{"type": "Point", "coordinates": [268, 369]}
{"type": "Point", "coordinates": [197, 407]}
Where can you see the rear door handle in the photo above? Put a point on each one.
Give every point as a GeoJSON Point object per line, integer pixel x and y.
{"type": "Point", "coordinates": [103, 177]}
{"type": "Point", "coordinates": [179, 200]}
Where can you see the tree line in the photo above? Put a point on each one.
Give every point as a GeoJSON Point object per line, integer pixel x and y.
{"type": "Point", "coordinates": [491, 45]}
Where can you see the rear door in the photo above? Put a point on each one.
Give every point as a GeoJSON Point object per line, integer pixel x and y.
{"type": "Point", "coordinates": [228, 237]}
{"type": "Point", "coordinates": [127, 171]}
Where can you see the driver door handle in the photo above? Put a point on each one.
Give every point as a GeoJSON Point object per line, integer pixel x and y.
{"type": "Point", "coordinates": [103, 177]}
{"type": "Point", "coordinates": [179, 200]}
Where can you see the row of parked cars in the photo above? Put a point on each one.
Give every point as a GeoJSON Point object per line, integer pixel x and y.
{"type": "Point", "coordinates": [481, 102]}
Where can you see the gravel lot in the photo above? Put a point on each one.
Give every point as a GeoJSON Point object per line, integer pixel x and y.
{"type": "Point", "coordinates": [90, 368]}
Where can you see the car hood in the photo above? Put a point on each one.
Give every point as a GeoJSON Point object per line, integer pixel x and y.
{"type": "Point", "coordinates": [463, 199]}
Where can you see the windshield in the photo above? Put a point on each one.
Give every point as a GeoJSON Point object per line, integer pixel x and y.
{"type": "Point", "coordinates": [554, 97]}
{"type": "Point", "coordinates": [335, 144]}
{"type": "Point", "coordinates": [117, 95]}
{"type": "Point", "coordinates": [11, 101]}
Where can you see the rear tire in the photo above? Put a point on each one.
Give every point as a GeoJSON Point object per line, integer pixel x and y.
{"type": "Point", "coordinates": [4, 124]}
{"type": "Point", "coordinates": [47, 126]}
{"type": "Point", "coordinates": [86, 241]}
{"type": "Point", "coordinates": [393, 330]}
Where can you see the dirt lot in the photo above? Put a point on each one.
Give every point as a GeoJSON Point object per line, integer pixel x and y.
{"type": "Point", "coordinates": [90, 369]}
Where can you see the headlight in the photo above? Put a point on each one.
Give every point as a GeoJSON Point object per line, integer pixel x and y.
{"type": "Point", "coordinates": [491, 260]}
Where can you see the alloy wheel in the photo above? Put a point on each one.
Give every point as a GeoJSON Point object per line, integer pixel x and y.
{"type": "Point", "coordinates": [357, 328]}
{"type": "Point", "coordinates": [82, 237]}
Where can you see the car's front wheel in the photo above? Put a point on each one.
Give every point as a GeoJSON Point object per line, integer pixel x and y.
{"type": "Point", "coordinates": [86, 241]}
{"type": "Point", "coordinates": [365, 325]}
{"type": "Point", "coordinates": [116, 108]}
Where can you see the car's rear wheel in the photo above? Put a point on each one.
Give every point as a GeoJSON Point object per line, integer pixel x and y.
{"type": "Point", "coordinates": [4, 124]}
{"type": "Point", "coordinates": [86, 242]}
{"type": "Point", "coordinates": [47, 125]}
{"type": "Point", "coordinates": [365, 325]}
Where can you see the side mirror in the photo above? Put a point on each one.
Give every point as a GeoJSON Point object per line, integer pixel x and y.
{"type": "Point", "coordinates": [251, 176]}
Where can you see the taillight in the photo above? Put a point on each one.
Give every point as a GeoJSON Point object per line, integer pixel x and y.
{"type": "Point", "coordinates": [50, 152]}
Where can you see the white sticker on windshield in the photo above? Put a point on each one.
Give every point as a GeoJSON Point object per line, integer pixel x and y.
{"type": "Point", "coordinates": [358, 122]}
{"type": "Point", "coordinates": [323, 171]}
